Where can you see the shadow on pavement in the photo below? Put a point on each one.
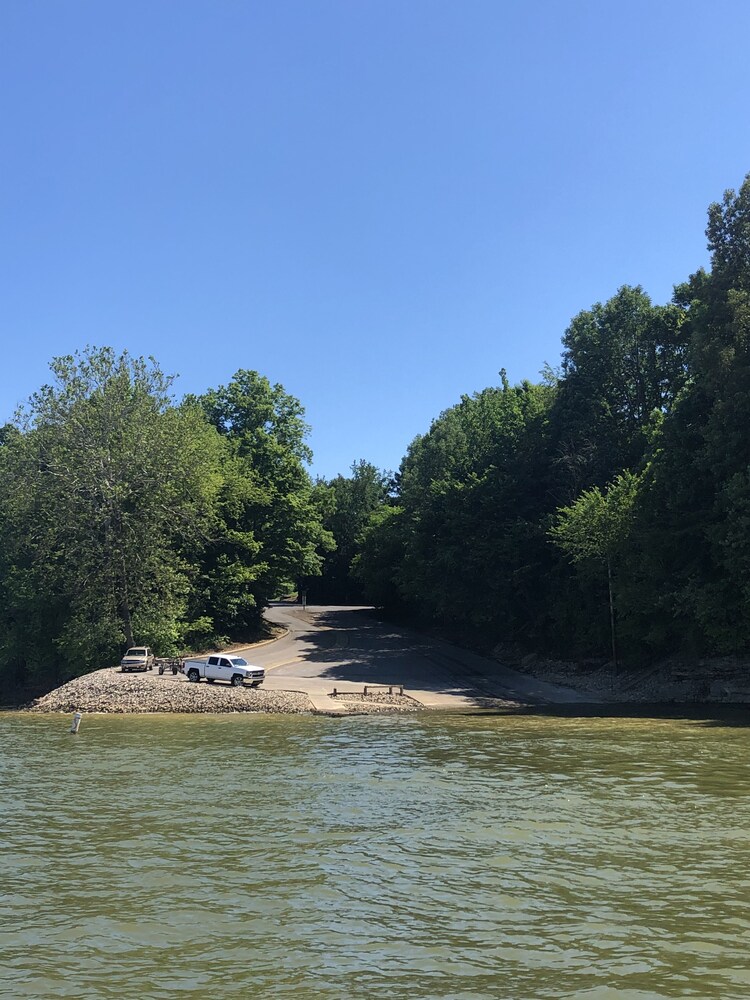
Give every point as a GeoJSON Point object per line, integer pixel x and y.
{"type": "Point", "coordinates": [348, 645]}
{"type": "Point", "coordinates": [360, 649]}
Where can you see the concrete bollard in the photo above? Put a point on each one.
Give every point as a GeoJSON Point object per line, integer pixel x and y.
{"type": "Point", "coordinates": [76, 722]}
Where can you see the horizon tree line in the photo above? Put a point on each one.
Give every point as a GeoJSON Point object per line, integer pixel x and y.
{"type": "Point", "coordinates": [602, 511]}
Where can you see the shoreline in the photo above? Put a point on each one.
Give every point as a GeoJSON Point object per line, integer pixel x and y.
{"type": "Point", "coordinates": [110, 692]}
{"type": "Point", "coordinates": [703, 685]}
{"type": "Point", "coordinates": [711, 681]}
{"type": "Point", "coordinates": [671, 681]}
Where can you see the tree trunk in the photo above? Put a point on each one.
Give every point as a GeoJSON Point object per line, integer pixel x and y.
{"type": "Point", "coordinates": [127, 622]}
{"type": "Point", "coordinates": [612, 614]}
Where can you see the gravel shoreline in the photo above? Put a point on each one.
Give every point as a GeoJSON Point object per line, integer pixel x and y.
{"type": "Point", "coordinates": [376, 703]}
{"type": "Point", "coordinates": [112, 692]}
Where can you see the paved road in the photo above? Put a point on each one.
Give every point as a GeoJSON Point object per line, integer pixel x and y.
{"type": "Point", "coordinates": [344, 648]}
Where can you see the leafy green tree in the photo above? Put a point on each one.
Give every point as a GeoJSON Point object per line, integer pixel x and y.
{"type": "Point", "coordinates": [596, 527]}
{"type": "Point", "coordinates": [380, 557]}
{"type": "Point", "coordinates": [693, 529]}
{"type": "Point", "coordinates": [652, 400]}
{"type": "Point", "coordinates": [353, 499]}
{"type": "Point", "coordinates": [271, 532]}
{"type": "Point", "coordinates": [473, 491]}
{"type": "Point", "coordinates": [106, 482]}
{"type": "Point", "coordinates": [623, 361]}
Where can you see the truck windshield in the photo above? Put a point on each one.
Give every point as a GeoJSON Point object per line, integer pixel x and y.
{"type": "Point", "coordinates": [238, 661]}
{"type": "Point", "coordinates": [136, 652]}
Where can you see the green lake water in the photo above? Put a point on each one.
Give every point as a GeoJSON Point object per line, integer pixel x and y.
{"type": "Point", "coordinates": [405, 857]}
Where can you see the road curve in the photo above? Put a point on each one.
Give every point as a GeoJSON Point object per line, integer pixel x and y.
{"type": "Point", "coordinates": [346, 648]}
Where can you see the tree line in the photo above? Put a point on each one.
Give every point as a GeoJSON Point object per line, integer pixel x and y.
{"type": "Point", "coordinates": [601, 511]}
{"type": "Point", "coordinates": [605, 510]}
{"type": "Point", "coordinates": [127, 517]}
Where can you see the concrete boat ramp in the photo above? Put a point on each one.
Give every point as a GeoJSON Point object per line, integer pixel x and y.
{"type": "Point", "coordinates": [347, 650]}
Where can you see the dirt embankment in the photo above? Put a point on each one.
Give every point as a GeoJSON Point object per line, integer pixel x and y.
{"type": "Point", "coordinates": [718, 680]}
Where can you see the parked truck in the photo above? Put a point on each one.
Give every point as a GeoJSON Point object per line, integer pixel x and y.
{"type": "Point", "coordinates": [224, 667]}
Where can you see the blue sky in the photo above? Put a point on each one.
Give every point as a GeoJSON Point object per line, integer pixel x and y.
{"type": "Point", "coordinates": [378, 204]}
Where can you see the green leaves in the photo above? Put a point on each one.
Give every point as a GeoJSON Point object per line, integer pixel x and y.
{"type": "Point", "coordinates": [269, 532]}
{"type": "Point", "coordinates": [348, 503]}
{"type": "Point", "coordinates": [633, 459]}
{"type": "Point", "coordinates": [597, 525]}
{"type": "Point", "coordinates": [113, 483]}
{"type": "Point", "coordinates": [125, 516]}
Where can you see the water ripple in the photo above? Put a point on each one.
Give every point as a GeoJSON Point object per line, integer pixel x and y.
{"type": "Point", "coordinates": [419, 857]}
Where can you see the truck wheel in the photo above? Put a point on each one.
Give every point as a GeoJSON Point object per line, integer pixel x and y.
{"type": "Point", "coordinates": [193, 675]}
{"type": "Point", "coordinates": [161, 668]}
{"type": "Point", "coordinates": [237, 680]}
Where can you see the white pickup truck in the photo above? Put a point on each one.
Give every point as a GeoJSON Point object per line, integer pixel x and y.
{"type": "Point", "coordinates": [224, 667]}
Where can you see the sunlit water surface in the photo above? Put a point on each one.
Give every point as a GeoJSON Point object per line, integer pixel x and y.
{"type": "Point", "coordinates": [430, 856]}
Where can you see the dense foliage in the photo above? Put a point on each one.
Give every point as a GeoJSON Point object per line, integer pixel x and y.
{"type": "Point", "coordinates": [603, 511]}
{"type": "Point", "coordinates": [349, 502]}
{"type": "Point", "coordinates": [125, 517]}
{"type": "Point", "coordinates": [609, 506]}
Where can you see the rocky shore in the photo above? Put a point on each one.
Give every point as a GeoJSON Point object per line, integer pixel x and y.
{"type": "Point", "coordinates": [113, 692]}
{"type": "Point", "coordinates": [110, 691]}
{"type": "Point", "coordinates": [376, 702]}
{"type": "Point", "coordinates": [717, 680]}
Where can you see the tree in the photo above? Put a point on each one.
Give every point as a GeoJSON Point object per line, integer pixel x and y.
{"type": "Point", "coordinates": [380, 556]}
{"type": "Point", "coordinates": [473, 491]}
{"type": "Point", "coordinates": [700, 458]}
{"type": "Point", "coordinates": [596, 527]}
{"type": "Point", "coordinates": [108, 483]}
{"type": "Point", "coordinates": [353, 499]}
{"type": "Point", "coordinates": [622, 361]}
{"type": "Point", "coordinates": [271, 532]}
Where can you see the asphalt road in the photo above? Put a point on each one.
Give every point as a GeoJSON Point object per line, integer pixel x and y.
{"type": "Point", "coordinates": [346, 648]}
